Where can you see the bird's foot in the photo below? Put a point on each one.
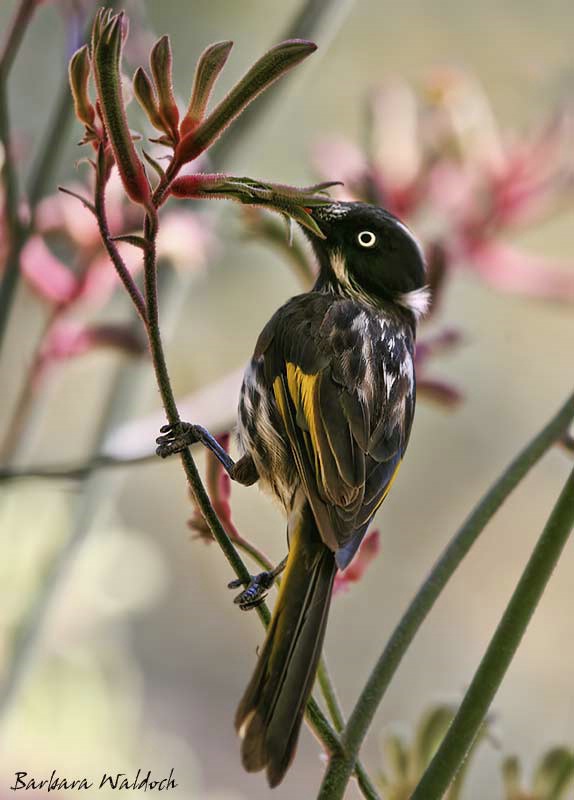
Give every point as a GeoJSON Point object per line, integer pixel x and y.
{"type": "Point", "coordinates": [175, 438]}
{"type": "Point", "coordinates": [256, 590]}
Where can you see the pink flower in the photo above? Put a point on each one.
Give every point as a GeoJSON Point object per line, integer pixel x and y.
{"type": "Point", "coordinates": [368, 549]}
{"type": "Point", "coordinates": [441, 161]}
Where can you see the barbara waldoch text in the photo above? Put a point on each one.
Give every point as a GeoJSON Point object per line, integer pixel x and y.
{"type": "Point", "coordinates": [143, 782]}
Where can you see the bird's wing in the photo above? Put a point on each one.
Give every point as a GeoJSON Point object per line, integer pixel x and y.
{"type": "Point", "coordinates": [346, 400]}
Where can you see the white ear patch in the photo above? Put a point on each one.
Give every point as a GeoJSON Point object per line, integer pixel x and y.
{"type": "Point", "coordinates": [332, 211]}
{"type": "Point", "coordinates": [417, 301]}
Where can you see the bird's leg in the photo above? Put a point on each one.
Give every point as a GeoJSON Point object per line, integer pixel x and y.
{"type": "Point", "coordinates": [177, 437]}
{"type": "Point", "coordinates": [257, 588]}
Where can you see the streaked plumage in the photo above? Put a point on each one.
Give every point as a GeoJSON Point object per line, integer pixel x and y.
{"type": "Point", "coordinates": [325, 415]}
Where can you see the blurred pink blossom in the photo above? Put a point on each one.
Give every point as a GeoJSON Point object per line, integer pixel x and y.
{"type": "Point", "coordinates": [67, 339]}
{"type": "Point", "coordinates": [66, 266]}
{"type": "Point", "coordinates": [368, 549]}
{"type": "Point", "coordinates": [440, 160]}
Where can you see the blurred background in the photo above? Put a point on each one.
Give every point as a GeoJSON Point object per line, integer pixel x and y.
{"type": "Point", "coordinates": [140, 657]}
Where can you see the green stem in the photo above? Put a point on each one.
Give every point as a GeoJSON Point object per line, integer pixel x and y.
{"type": "Point", "coordinates": [501, 649]}
{"type": "Point", "coordinates": [339, 771]}
{"type": "Point", "coordinates": [16, 32]}
{"type": "Point", "coordinates": [336, 714]}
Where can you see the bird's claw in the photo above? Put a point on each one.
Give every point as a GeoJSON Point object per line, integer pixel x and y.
{"type": "Point", "coordinates": [175, 439]}
{"type": "Point", "coordinates": [256, 590]}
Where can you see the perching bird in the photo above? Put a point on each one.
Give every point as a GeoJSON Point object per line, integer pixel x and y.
{"type": "Point", "coordinates": [324, 419]}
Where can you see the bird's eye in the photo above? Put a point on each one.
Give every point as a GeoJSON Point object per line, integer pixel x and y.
{"type": "Point", "coordinates": [366, 239]}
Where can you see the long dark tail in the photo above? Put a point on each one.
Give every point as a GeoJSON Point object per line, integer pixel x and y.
{"type": "Point", "coordinates": [269, 716]}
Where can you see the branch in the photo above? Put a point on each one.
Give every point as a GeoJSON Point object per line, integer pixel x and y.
{"type": "Point", "coordinates": [71, 472]}
{"type": "Point", "coordinates": [339, 771]}
{"type": "Point", "coordinates": [502, 648]}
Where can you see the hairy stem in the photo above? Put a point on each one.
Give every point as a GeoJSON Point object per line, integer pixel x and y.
{"type": "Point", "coordinates": [501, 650]}
{"type": "Point", "coordinates": [340, 769]}
{"type": "Point", "coordinates": [101, 215]}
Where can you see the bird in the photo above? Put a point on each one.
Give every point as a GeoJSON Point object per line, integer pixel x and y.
{"type": "Point", "coordinates": [324, 419]}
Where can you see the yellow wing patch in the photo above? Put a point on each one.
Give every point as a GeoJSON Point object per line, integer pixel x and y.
{"type": "Point", "coordinates": [302, 390]}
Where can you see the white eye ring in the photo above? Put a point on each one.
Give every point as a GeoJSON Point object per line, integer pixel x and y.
{"type": "Point", "coordinates": [366, 239]}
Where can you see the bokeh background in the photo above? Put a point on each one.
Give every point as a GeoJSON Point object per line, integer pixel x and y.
{"type": "Point", "coordinates": [142, 656]}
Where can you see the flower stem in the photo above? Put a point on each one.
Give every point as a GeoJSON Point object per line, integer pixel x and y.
{"type": "Point", "coordinates": [339, 771]}
{"type": "Point", "coordinates": [501, 649]}
{"type": "Point", "coordinates": [101, 215]}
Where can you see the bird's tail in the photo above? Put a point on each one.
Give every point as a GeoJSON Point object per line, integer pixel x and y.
{"type": "Point", "coordinates": [270, 713]}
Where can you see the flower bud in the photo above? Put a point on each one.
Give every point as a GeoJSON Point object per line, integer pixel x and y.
{"type": "Point", "coordinates": [210, 64]}
{"type": "Point", "coordinates": [161, 67]}
{"type": "Point", "coordinates": [79, 73]}
{"type": "Point", "coordinates": [262, 74]}
{"type": "Point", "coordinates": [145, 93]}
{"type": "Point", "coordinates": [107, 56]}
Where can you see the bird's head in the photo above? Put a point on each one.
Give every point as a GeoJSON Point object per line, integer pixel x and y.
{"type": "Point", "coordinates": [369, 254]}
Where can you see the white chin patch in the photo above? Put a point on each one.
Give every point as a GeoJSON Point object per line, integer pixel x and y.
{"type": "Point", "coordinates": [417, 301]}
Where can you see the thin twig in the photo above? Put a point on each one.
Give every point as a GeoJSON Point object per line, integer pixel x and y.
{"type": "Point", "coordinates": [73, 472]}
{"type": "Point", "coordinates": [101, 216]}
{"type": "Point", "coordinates": [338, 774]}
{"type": "Point", "coordinates": [501, 650]}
